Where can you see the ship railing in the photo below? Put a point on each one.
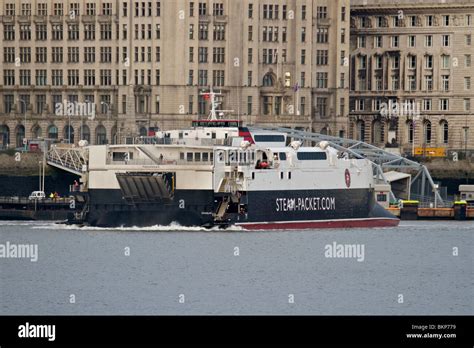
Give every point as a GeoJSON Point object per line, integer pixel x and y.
{"type": "Point", "coordinates": [149, 162]}
{"type": "Point", "coordinates": [431, 202]}
{"type": "Point", "coordinates": [173, 141]}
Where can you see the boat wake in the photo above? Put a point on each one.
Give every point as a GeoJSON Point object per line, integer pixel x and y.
{"type": "Point", "coordinates": [174, 227]}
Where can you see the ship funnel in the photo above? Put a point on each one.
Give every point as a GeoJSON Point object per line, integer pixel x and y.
{"type": "Point", "coordinates": [295, 145]}
{"type": "Point", "coordinates": [323, 145]}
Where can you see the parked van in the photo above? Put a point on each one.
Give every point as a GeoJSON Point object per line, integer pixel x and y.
{"type": "Point", "coordinates": [37, 195]}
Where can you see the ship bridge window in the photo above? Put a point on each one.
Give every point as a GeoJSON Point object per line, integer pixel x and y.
{"type": "Point", "coordinates": [381, 197]}
{"type": "Point", "coordinates": [269, 138]}
{"type": "Point", "coordinates": [282, 156]}
{"type": "Point", "coordinates": [205, 157]}
{"type": "Point", "coordinates": [181, 156]}
{"type": "Point", "coordinates": [197, 157]}
{"type": "Point", "coordinates": [189, 156]}
{"type": "Point", "coordinates": [311, 156]}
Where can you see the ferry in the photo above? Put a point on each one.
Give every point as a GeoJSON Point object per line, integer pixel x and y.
{"type": "Point", "coordinates": [218, 173]}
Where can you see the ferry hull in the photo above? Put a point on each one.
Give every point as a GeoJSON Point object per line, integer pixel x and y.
{"type": "Point", "coordinates": [266, 210]}
{"type": "Point", "coordinates": [302, 225]}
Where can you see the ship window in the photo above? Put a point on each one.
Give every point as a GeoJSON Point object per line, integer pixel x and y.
{"type": "Point", "coordinates": [253, 175]}
{"type": "Point", "coordinates": [213, 135]}
{"type": "Point", "coordinates": [289, 175]}
{"type": "Point", "coordinates": [282, 156]}
{"type": "Point", "coordinates": [269, 138]}
{"type": "Point", "coordinates": [281, 175]}
{"type": "Point", "coordinates": [189, 156]}
{"type": "Point", "coordinates": [311, 156]}
{"type": "Point", "coordinates": [212, 156]}
{"type": "Point", "coordinates": [382, 197]}
{"type": "Point", "coordinates": [181, 156]}
{"type": "Point", "coordinates": [197, 157]}
{"type": "Point", "coordinates": [119, 156]}
{"type": "Point", "coordinates": [205, 157]}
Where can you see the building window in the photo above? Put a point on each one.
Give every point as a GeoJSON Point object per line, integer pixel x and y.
{"type": "Point", "coordinates": [445, 40]}
{"type": "Point", "coordinates": [445, 82]}
{"type": "Point", "coordinates": [427, 132]}
{"type": "Point", "coordinates": [428, 40]}
{"type": "Point", "coordinates": [378, 41]}
{"type": "Point", "coordinates": [445, 61]}
{"type": "Point", "coordinates": [444, 104]}
{"type": "Point", "coordinates": [321, 106]}
{"type": "Point", "coordinates": [428, 62]}
{"type": "Point", "coordinates": [410, 132]}
{"type": "Point", "coordinates": [467, 104]}
{"type": "Point", "coordinates": [322, 57]}
{"type": "Point", "coordinates": [322, 35]}
{"type": "Point", "coordinates": [203, 31]}
{"type": "Point", "coordinates": [321, 80]}
{"type": "Point", "coordinates": [395, 41]}
{"type": "Point", "coordinates": [218, 78]}
{"type": "Point", "coordinates": [445, 130]}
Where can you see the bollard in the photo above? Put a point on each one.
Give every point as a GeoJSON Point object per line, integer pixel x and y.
{"type": "Point", "coordinates": [460, 210]}
{"type": "Point", "coordinates": [409, 210]}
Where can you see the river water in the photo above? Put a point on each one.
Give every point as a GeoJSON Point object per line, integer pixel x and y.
{"type": "Point", "coordinates": [418, 268]}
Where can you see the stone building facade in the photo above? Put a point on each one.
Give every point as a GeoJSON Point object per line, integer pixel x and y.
{"type": "Point", "coordinates": [417, 56]}
{"type": "Point", "coordinates": [128, 66]}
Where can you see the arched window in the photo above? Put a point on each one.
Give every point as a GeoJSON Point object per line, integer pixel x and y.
{"type": "Point", "coordinates": [20, 135]}
{"type": "Point", "coordinates": [410, 132]}
{"type": "Point", "coordinates": [85, 133]}
{"type": "Point", "coordinates": [360, 131]}
{"type": "Point", "coordinates": [268, 80]}
{"type": "Point", "coordinates": [377, 132]}
{"type": "Point", "coordinates": [37, 132]}
{"type": "Point", "coordinates": [4, 136]}
{"type": "Point", "coordinates": [427, 132]}
{"type": "Point", "coordinates": [69, 134]}
{"type": "Point", "coordinates": [445, 132]}
{"type": "Point", "coordinates": [53, 132]}
{"type": "Point", "coordinates": [101, 135]}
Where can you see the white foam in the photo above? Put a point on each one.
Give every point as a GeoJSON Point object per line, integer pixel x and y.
{"type": "Point", "coordinates": [174, 227]}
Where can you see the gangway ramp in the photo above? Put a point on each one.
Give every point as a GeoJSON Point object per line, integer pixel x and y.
{"type": "Point", "coordinates": [71, 159]}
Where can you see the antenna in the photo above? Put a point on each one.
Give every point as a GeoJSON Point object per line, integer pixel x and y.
{"type": "Point", "coordinates": [214, 112]}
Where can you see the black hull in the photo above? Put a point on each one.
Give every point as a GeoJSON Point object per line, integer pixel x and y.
{"type": "Point", "coordinates": [263, 209]}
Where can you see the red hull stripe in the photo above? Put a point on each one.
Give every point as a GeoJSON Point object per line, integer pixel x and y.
{"type": "Point", "coordinates": [300, 225]}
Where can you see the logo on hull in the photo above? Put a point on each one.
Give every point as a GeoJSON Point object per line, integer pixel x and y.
{"type": "Point", "coordinates": [347, 176]}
